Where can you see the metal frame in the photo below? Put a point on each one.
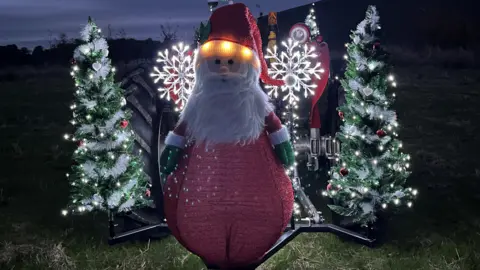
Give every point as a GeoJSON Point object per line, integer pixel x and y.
{"type": "Point", "coordinates": [292, 231]}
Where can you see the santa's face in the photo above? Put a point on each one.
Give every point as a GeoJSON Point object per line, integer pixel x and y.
{"type": "Point", "coordinates": [226, 62]}
{"type": "Point", "coordinates": [227, 103]}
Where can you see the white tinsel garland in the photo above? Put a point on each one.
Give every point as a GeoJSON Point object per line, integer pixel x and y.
{"type": "Point", "coordinates": [102, 72]}
{"type": "Point", "coordinates": [362, 173]}
{"type": "Point", "coordinates": [371, 22]}
{"type": "Point", "coordinates": [107, 145]}
{"type": "Point", "coordinates": [367, 207]}
{"type": "Point", "coordinates": [117, 196]}
{"type": "Point", "coordinates": [127, 205]}
{"type": "Point", "coordinates": [354, 131]}
{"type": "Point", "coordinates": [86, 31]}
{"type": "Point", "coordinates": [380, 97]}
{"type": "Point", "coordinates": [96, 201]}
{"type": "Point", "coordinates": [373, 18]}
{"type": "Point", "coordinates": [375, 112]}
{"type": "Point", "coordinates": [78, 54]}
{"type": "Point", "coordinates": [114, 199]}
{"type": "Point", "coordinates": [98, 45]}
{"type": "Point", "coordinates": [361, 62]}
{"type": "Point", "coordinates": [89, 104]}
{"type": "Point", "coordinates": [109, 125]}
{"type": "Point", "coordinates": [378, 171]}
{"type": "Point", "coordinates": [91, 169]}
{"type": "Point", "coordinates": [357, 85]}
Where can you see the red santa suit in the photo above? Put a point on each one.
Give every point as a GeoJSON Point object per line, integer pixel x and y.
{"type": "Point", "coordinates": [229, 203]}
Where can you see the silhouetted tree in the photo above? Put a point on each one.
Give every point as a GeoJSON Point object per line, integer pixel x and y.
{"type": "Point", "coordinates": [169, 34]}
{"type": "Point", "coordinates": [109, 32]}
{"type": "Point", "coordinates": [38, 55]}
{"type": "Point", "coordinates": [121, 34]}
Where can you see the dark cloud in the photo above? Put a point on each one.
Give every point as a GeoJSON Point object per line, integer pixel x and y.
{"type": "Point", "coordinates": [28, 21]}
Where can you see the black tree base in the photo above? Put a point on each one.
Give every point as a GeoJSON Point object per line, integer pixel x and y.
{"type": "Point", "coordinates": [376, 231]}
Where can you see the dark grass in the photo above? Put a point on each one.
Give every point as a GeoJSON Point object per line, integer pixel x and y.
{"type": "Point", "coordinates": [439, 110]}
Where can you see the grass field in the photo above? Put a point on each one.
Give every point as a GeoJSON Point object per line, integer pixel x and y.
{"type": "Point", "coordinates": [437, 108]}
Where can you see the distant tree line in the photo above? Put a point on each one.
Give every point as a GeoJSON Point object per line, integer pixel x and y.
{"type": "Point", "coordinates": [60, 51]}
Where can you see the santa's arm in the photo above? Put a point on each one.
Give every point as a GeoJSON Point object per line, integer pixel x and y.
{"type": "Point", "coordinates": [276, 131]}
{"type": "Point", "coordinates": [177, 136]}
{"type": "Point", "coordinates": [174, 145]}
{"type": "Point", "coordinates": [280, 138]}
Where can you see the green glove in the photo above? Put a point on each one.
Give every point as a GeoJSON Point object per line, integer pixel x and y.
{"type": "Point", "coordinates": [169, 159]}
{"type": "Point", "coordinates": [284, 152]}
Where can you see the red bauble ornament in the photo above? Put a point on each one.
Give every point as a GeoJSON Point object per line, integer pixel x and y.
{"type": "Point", "coordinates": [341, 115]}
{"type": "Point", "coordinates": [73, 61]}
{"type": "Point", "coordinates": [124, 123]}
{"type": "Point", "coordinates": [329, 186]}
{"type": "Point", "coordinates": [148, 192]}
{"type": "Point", "coordinates": [343, 171]}
{"type": "Point", "coordinates": [381, 133]}
{"type": "Point", "coordinates": [81, 143]}
{"type": "Point", "coordinates": [376, 45]}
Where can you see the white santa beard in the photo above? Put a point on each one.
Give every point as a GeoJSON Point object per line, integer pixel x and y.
{"type": "Point", "coordinates": [226, 112]}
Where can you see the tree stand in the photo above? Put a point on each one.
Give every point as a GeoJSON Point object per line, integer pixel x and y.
{"type": "Point", "coordinates": [134, 227]}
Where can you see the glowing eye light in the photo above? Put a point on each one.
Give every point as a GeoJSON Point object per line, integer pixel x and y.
{"type": "Point", "coordinates": [246, 52]}
{"type": "Point", "coordinates": [226, 45]}
{"type": "Point", "coordinates": [206, 47]}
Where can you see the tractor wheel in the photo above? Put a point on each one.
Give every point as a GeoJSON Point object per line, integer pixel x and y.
{"type": "Point", "coordinates": [142, 99]}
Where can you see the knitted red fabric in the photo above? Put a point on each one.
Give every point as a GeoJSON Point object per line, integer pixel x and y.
{"type": "Point", "coordinates": [236, 23]}
{"type": "Point", "coordinates": [229, 204]}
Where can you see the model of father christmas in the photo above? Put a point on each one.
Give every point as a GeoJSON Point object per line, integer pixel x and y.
{"type": "Point", "coordinates": [228, 198]}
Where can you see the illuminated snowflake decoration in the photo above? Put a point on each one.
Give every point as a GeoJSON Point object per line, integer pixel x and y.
{"type": "Point", "coordinates": [177, 74]}
{"type": "Point", "coordinates": [295, 68]}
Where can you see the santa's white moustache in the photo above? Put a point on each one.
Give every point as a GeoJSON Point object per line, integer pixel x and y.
{"type": "Point", "coordinates": [227, 108]}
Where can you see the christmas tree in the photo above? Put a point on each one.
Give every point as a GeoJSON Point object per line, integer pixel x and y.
{"type": "Point", "coordinates": [311, 22]}
{"type": "Point", "coordinates": [105, 174]}
{"type": "Point", "coordinates": [372, 169]}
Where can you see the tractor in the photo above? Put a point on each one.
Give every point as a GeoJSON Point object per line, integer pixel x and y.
{"type": "Point", "coordinates": [317, 148]}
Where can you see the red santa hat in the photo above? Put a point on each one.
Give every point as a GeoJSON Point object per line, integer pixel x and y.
{"type": "Point", "coordinates": [235, 23]}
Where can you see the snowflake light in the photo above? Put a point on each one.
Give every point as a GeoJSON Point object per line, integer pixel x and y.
{"type": "Point", "coordinates": [294, 66]}
{"type": "Point", "coordinates": [177, 74]}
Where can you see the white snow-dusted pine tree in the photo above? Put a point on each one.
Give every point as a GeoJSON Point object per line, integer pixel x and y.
{"type": "Point", "coordinates": [106, 175]}
{"type": "Point", "coordinates": [311, 22]}
{"type": "Point", "coordinates": [372, 170]}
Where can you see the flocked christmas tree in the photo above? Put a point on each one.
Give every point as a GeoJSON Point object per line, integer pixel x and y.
{"type": "Point", "coordinates": [372, 168]}
{"type": "Point", "coordinates": [311, 22]}
{"type": "Point", "coordinates": [105, 175]}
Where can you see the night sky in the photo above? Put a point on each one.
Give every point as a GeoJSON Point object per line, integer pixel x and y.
{"type": "Point", "coordinates": [35, 22]}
